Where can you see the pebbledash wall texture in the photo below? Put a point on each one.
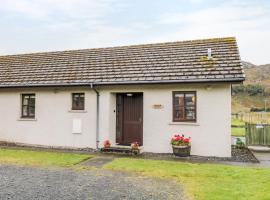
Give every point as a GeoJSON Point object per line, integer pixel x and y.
{"type": "Point", "coordinates": [155, 71]}
{"type": "Point", "coordinates": [210, 133]}
{"type": "Point", "coordinates": [53, 123]}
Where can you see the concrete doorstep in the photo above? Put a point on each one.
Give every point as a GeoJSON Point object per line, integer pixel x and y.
{"type": "Point", "coordinates": [259, 148]}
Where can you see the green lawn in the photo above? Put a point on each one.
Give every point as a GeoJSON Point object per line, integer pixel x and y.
{"type": "Point", "coordinates": [238, 131]}
{"type": "Point", "coordinates": [40, 158]}
{"type": "Point", "coordinates": [237, 122]}
{"type": "Point", "coordinates": [205, 181]}
{"type": "Point", "coordinates": [201, 181]}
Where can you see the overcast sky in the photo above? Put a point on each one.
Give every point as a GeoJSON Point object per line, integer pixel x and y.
{"type": "Point", "coordinates": [48, 25]}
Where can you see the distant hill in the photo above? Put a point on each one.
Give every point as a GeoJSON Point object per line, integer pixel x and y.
{"type": "Point", "coordinates": [256, 75]}
{"type": "Point", "coordinates": [247, 65]}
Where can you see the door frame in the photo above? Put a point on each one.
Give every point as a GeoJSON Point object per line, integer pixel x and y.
{"type": "Point", "coordinates": [120, 121]}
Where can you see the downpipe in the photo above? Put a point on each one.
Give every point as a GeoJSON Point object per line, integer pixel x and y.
{"type": "Point", "coordinates": [97, 116]}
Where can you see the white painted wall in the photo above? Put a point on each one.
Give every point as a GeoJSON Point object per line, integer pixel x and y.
{"type": "Point", "coordinates": [210, 134]}
{"type": "Point", "coordinates": [53, 125]}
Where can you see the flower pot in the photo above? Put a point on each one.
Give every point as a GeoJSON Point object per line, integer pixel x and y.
{"type": "Point", "coordinates": [107, 146]}
{"type": "Point", "coordinates": [136, 151]}
{"type": "Point", "coordinates": [182, 151]}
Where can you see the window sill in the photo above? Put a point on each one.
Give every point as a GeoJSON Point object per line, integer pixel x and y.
{"type": "Point", "coordinates": [27, 119]}
{"type": "Point", "coordinates": [77, 111]}
{"type": "Point", "coordinates": [185, 123]}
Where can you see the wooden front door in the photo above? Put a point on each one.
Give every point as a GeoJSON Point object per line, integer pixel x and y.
{"type": "Point", "coordinates": [129, 118]}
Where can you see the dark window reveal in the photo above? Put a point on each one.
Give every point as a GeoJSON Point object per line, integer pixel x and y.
{"type": "Point", "coordinates": [28, 105]}
{"type": "Point", "coordinates": [184, 106]}
{"type": "Point", "coordinates": [78, 101]}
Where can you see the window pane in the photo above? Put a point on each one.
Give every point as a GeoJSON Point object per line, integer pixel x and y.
{"type": "Point", "coordinates": [25, 100]}
{"type": "Point", "coordinates": [31, 111]}
{"type": "Point", "coordinates": [190, 99]}
{"type": "Point", "coordinates": [190, 113]}
{"type": "Point", "coordinates": [28, 105]}
{"type": "Point", "coordinates": [32, 101]}
{"type": "Point", "coordinates": [80, 104]}
{"type": "Point", "coordinates": [24, 111]}
{"type": "Point", "coordinates": [179, 114]}
{"type": "Point", "coordinates": [184, 106]}
{"type": "Point", "coordinates": [78, 101]}
{"type": "Point", "coordinates": [179, 100]}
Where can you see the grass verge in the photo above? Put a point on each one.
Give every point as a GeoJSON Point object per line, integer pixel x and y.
{"type": "Point", "coordinates": [205, 181]}
{"type": "Point", "coordinates": [237, 122]}
{"type": "Point", "coordinates": [239, 132]}
{"type": "Point", "coordinates": [40, 158]}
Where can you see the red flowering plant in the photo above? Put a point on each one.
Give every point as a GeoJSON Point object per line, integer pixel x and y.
{"type": "Point", "coordinates": [180, 140]}
{"type": "Point", "coordinates": [107, 144]}
{"type": "Point", "coordinates": [135, 145]}
{"type": "Point", "coordinates": [135, 148]}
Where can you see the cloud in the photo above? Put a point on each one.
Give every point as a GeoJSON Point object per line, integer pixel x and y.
{"type": "Point", "coordinates": [195, 1]}
{"type": "Point", "coordinates": [44, 9]}
{"type": "Point", "coordinates": [45, 25]}
{"type": "Point", "coordinates": [249, 22]}
{"type": "Point", "coordinates": [59, 24]}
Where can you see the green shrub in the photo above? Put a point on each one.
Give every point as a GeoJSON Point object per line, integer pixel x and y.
{"type": "Point", "coordinates": [251, 90]}
{"type": "Point", "coordinates": [239, 143]}
{"type": "Point", "coordinates": [259, 109]}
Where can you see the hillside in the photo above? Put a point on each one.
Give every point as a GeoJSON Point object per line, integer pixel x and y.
{"type": "Point", "coordinates": [255, 76]}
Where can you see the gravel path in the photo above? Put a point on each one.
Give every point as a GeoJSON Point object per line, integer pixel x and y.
{"type": "Point", "coordinates": [40, 183]}
{"type": "Point", "coordinates": [97, 162]}
{"type": "Point", "coordinates": [263, 157]}
{"type": "Point", "coordinates": [243, 155]}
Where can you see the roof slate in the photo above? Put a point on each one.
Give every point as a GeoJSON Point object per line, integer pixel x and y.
{"type": "Point", "coordinates": [178, 62]}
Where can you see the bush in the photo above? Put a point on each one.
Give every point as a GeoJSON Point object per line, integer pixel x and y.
{"type": "Point", "coordinates": [259, 109]}
{"type": "Point", "coordinates": [251, 90]}
{"type": "Point", "coordinates": [239, 143]}
{"type": "Point", "coordinates": [238, 89]}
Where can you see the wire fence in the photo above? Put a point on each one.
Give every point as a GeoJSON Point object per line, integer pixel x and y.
{"type": "Point", "coordinates": [256, 127]}
{"type": "Point", "coordinates": [253, 117]}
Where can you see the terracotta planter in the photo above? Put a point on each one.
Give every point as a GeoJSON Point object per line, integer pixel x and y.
{"type": "Point", "coordinates": [107, 146]}
{"type": "Point", "coordinates": [135, 151]}
{"type": "Point", "coordinates": [182, 151]}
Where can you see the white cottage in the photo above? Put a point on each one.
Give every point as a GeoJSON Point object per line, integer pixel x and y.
{"type": "Point", "coordinates": [142, 93]}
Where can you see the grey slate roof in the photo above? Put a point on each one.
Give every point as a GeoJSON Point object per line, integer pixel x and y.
{"type": "Point", "coordinates": [151, 63]}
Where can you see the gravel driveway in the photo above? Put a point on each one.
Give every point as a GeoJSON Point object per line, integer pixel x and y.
{"type": "Point", "coordinates": [41, 183]}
